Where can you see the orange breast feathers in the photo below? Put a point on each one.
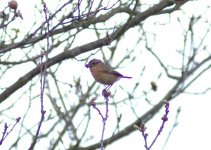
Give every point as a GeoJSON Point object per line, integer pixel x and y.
{"type": "Point", "coordinates": [104, 75]}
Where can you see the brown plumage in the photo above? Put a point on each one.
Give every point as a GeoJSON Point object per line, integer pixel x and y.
{"type": "Point", "coordinates": [103, 73]}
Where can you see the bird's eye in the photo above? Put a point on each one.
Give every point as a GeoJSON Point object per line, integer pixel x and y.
{"type": "Point", "coordinates": [94, 63]}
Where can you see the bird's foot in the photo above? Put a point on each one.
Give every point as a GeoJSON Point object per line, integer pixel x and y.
{"type": "Point", "coordinates": [105, 93]}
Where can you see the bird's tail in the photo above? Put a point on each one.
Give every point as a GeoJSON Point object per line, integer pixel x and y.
{"type": "Point", "coordinates": [126, 77]}
{"type": "Point", "coordinates": [120, 75]}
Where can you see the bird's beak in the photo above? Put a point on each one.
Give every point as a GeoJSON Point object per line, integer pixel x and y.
{"type": "Point", "coordinates": [87, 65]}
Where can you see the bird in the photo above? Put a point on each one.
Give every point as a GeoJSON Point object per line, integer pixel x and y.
{"type": "Point", "coordinates": [103, 73]}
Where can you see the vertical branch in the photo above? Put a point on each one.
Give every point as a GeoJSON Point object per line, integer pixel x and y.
{"type": "Point", "coordinates": [45, 9]}
{"type": "Point", "coordinates": [104, 118]}
{"type": "Point", "coordinates": [42, 88]}
{"type": "Point", "coordinates": [104, 121]}
{"type": "Point", "coordinates": [173, 127]}
{"type": "Point", "coordinates": [42, 80]}
{"type": "Point", "coordinates": [79, 12]}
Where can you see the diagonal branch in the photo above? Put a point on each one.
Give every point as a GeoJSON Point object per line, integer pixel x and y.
{"type": "Point", "coordinates": [84, 48]}
{"type": "Point", "coordinates": [93, 20]}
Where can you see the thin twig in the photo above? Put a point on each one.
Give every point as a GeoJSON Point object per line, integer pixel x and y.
{"type": "Point", "coordinates": [5, 132]}
{"type": "Point", "coordinates": [104, 118]}
{"type": "Point", "coordinates": [143, 128]}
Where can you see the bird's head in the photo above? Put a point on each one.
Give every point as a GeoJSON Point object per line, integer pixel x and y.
{"type": "Point", "coordinates": [92, 63]}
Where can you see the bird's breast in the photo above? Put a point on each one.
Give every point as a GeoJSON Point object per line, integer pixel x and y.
{"type": "Point", "coordinates": [103, 77]}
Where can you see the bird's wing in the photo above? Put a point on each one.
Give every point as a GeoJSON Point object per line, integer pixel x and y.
{"type": "Point", "coordinates": [117, 73]}
{"type": "Point", "coordinates": [111, 71]}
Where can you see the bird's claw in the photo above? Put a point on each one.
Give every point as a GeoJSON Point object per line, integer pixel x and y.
{"type": "Point", "coordinates": [105, 93]}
